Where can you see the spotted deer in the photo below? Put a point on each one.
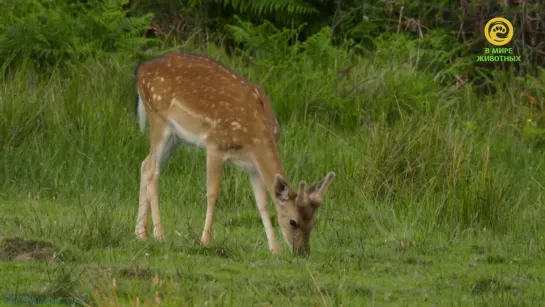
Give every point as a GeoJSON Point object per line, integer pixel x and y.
{"type": "Point", "coordinates": [197, 101]}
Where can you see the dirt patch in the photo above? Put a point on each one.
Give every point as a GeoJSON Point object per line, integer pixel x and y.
{"type": "Point", "coordinates": [19, 249]}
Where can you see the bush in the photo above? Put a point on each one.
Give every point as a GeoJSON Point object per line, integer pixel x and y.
{"type": "Point", "coordinates": [52, 33]}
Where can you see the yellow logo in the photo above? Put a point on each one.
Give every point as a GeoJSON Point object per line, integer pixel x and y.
{"type": "Point", "coordinates": [498, 31]}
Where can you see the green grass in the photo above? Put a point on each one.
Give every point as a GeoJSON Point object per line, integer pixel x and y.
{"type": "Point", "coordinates": [437, 201]}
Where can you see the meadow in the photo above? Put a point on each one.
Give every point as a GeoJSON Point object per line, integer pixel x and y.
{"type": "Point", "coordinates": [438, 199]}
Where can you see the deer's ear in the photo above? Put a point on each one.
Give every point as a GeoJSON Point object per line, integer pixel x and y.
{"type": "Point", "coordinates": [282, 190]}
{"type": "Point", "coordinates": [317, 190]}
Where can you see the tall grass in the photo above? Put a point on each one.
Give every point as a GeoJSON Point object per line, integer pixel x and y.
{"type": "Point", "coordinates": [411, 153]}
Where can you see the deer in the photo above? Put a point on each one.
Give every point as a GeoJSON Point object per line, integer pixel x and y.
{"type": "Point", "coordinates": [196, 101]}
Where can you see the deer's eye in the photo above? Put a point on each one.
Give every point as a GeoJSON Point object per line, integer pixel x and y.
{"type": "Point", "coordinates": [293, 224]}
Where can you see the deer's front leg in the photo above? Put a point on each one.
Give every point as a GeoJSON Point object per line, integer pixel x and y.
{"type": "Point", "coordinates": [214, 166]}
{"type": "Point", "coordinates": [260, 193]}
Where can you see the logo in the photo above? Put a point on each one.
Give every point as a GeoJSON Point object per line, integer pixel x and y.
{"type": "Point", "coordinates": [498, 31]}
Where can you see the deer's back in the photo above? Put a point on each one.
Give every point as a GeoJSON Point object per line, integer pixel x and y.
{"type": "Point", "coordinates": [207, 94]}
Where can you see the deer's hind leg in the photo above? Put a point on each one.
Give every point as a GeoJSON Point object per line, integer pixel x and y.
{"type": "Point", "coordinates": [163, 144]}
{"type": "Point", "coordinates": [143, 202]}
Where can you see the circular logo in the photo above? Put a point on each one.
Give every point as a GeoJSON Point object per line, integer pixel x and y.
{"type": "Point", "coordinates": [498, 31]}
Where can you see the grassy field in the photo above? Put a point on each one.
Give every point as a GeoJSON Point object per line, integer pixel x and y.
{"type": "Point", "coordinates": [438, 198]}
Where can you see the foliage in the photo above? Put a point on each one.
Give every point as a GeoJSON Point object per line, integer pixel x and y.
{"type": "Point", "coordinates": [451, 31]}
{"type": "Point", "coordinates": [51, 33]}
{"type": "Point", "coordinates": [264, 42]}
{"type": "Point", "coordinates": [263, 7]}
{"type": "Point", "coordinates": [461, 23]}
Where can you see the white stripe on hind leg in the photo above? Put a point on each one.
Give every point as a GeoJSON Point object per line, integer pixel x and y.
{"type": "Point", "coordinates": [141, 110]}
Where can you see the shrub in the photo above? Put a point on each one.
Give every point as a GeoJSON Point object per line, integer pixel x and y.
{"type": "Point", "coordinates": [52, 33]}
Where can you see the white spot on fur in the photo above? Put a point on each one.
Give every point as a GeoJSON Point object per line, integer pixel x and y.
{"type": "Point", "coordinates": [235, 125]}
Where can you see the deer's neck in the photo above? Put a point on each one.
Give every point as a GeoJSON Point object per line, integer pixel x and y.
{"type": "Point", "coordinates": [268, 163]}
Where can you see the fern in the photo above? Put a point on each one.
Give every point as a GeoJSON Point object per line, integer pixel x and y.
{"type": "Point", "coordinates": [264, 41]}
{"type": "Point", "coordinates": [262, 7]}
{"type": "Point", "coordinates": [51, 33]}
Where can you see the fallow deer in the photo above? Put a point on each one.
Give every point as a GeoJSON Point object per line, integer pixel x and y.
{"type": "Point", "coordinates": [198, 101]}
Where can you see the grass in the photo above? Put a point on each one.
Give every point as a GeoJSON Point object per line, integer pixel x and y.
{"type": "Point", "coordinates": [437, 200]}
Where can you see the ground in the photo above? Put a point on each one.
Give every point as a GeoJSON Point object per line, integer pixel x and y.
{"type": "Point", "coordinates": [111, 266]}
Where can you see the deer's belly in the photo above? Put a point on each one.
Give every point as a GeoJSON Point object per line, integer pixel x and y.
{"type": "Point", "coordinates": [189, 126]}
{"type": "Point", "coordinates": [188, 137]}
